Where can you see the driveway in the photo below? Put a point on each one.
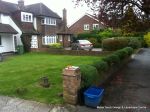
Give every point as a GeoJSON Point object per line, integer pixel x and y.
{"type": "Point", "coordinates": [129, 90]}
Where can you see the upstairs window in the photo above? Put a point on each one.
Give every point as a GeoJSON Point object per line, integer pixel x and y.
{"type": "Point", "coordinates": [48, 21]}
{"type": "Point", "coordinates": [26, 17]}
{"type": "Point", "coordinates": [86, 27]}
{"type": "Point", "coordinates": [95, 26]}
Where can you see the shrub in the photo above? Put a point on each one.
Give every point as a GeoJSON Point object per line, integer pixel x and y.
{"type": "Point", "coordinates": [112, 44]}
{"type": "Point", "coordinates": [113, 58]}
{"type": "Point", "coordinates": [108, 33]}
{"type": "Point", "coordinates": [147, 39]}
{"type": "Point", "coordinates": [122, 53]}
{"type": "Point", "coordinates": [100, 65]}
{"type": "Point", "coordinates": [134, 42]}
{"type": "Point", "coordinates": [55, 45]}
{"type": "Point", "coordinates": [129, 50]}
{"type": "Point", "coordinates": [87, 35]}
{"type": "Point", "coordinates": [89, 75]}
{"type": "Point", "coordinates": [95, 42]}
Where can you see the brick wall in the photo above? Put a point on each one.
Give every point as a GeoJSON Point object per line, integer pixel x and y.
{"type": "Point", "coordinates": [78, 27]}
{"type": "Point", "coordinates": [71, 52]}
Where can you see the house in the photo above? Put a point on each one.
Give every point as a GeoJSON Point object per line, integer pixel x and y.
{"type": "Point", "coordinates": [85, 24]}
{"type": "Point", "coordinates": [34, 26]}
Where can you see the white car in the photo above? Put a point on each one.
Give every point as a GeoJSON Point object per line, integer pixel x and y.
{"type": "Point", "coordinates": [82, 45]}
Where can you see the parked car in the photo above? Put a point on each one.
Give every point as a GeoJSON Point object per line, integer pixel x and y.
{"type": "Point", "coordinates": [82, 45]}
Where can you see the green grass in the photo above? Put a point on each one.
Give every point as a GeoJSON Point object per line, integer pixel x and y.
{"type": "Point", "coordinates": [25, 71]}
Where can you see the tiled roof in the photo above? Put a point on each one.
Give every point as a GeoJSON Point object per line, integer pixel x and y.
{"type": "Point", "coordinates": [7, 7]}
{"type": "Point", "coordinates": [5, 28]}
{"type": "Point", "coordinates": [40, 9]}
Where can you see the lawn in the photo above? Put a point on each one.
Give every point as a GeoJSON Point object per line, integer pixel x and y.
{"type": "Point", "coordinates": [25, 71]}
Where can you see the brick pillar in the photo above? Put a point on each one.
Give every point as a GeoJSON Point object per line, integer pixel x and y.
{"type": "Point", "coordinates": [71, 84]}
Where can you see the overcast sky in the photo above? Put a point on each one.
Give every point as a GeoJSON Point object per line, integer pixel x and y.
{"type": "Point", "coordinates": [57, 6]}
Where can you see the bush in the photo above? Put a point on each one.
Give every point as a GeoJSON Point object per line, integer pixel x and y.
{"type": "Point", "coordinates": [134, 42]}
{"type": "Point", "coordinates": [147, 39]}
{"type": "Point", "coordinates": [122, 53]}
{"type": "Point", "coordinates": [112, 44]}
{"type": "Point", "coordinates": [112, 59]}
{"type": "Point", "coordinates": [108, 33]}
{"type": "Point", "coordinates": [55, 45]}
{"type": "Point", "coordinates": [87, 36]}
{"type": "Point", "coordinates": [129, 50]}
{"type": "Point", "coordinates": [95, 42]}
{"type": "Point", "coordinates": [89, 75]}
{"type": "Point", "coordinates": [101, 65]}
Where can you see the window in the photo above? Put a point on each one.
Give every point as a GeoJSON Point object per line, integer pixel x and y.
{"type": "Point", "coordinates": [86, 26]}
{"type": "Point", "coordinates": [95, 26]}
{"type": "Point", "coordinates": [49, 39]}
{"type": "Point", "coordinates": [26, 17]}
{"type": "Point", "coordinates": [68, 38]}
{"type": "Point", "coordinates": [60, 38]}
{"type": "Point", "coordinates": [0, 40]}
{"type": "Point", "coordinates": [48, 21]}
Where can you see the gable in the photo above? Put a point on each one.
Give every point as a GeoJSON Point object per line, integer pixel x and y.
{"type": "Point", "coordinates": [84, 20]}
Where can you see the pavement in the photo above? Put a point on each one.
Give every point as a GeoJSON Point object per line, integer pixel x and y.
{"type": "Point", "coordinates": [8, 104]}
{"type": "Point", "coordinates": [128, 91]}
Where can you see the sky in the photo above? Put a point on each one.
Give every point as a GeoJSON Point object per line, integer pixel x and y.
{"type": "Point", "coordinates": [73, 13]}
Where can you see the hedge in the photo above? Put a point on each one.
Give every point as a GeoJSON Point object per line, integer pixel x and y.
{"type": "Point", "coordinates": [91, 74]}
{"type": "Point", "coordinates": [112, 44]}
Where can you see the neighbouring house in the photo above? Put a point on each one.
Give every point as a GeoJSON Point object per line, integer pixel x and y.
{"type": "Point", "coordinates": [85, 24]}
{"type": "Point", "coordinates": [34, 26]}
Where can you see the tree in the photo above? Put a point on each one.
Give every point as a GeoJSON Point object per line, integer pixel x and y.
{"type": "Point", "coordinates": [112, 10]}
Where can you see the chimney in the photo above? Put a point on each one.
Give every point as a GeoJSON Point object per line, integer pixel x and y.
{"type": "Point", "coordinates": [21, 4]}
{"type": "Point", "coordinates": [65, 19]}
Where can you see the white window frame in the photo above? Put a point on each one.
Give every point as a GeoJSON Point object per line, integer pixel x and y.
{"type": "Point", "coordinates": [48, 21]}
{"type": "Point", "coordinates": [51, 39]}
{"type": "Point", "coordinates": [86, 27]}
{"type": "Point", "coordinates": [95, 26]}
{"type": "Point", "coordinates": [26, 17]}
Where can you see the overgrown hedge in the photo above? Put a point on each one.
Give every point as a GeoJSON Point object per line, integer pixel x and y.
{"type": "Point", "coordinates": [91, 74]}
{"type": "Point", "coordinates": [111, 44]}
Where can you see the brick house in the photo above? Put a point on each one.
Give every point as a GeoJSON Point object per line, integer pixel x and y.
{"type": "Point", "coordinates": [34, 26]}
{"type": "Point", "coordinates": [85, 24]}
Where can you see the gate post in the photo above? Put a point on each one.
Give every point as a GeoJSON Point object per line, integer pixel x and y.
{"type": "Point", "coordinates": [71, 84]}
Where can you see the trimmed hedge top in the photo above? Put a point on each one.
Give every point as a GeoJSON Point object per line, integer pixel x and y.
{"type": "Point", "coordinates": [91, 74]}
